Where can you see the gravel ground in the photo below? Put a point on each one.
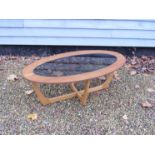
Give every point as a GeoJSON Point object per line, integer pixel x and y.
{"type": "Point", "coordinates": [114, 111]}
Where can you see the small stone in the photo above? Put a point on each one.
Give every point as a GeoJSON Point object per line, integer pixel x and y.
{"type": "Point", "coordinates": [144, 57]}
{"type": "Point", "coordinates": [79, 114]}
{"type": "Point", "coordinates": [133, 72]}
{"type": "Point", "coordinates": [12, 77]}
{"type": "Point", "coordinates": [133, 61]}
{"type": "Point", "coordinates": [32, 116]}
{"type": "Point", "coordinates": [144, 69]}
{"type": "Point", "coordinates": [137, 86]}
{"type": "Point", "coordinates": [125, 117]}
{"type": "Point", "coordinates": [150, 90]}
{"type": "Point", "coordinates": [146, 104]}
{"type": "Point", "coordinates": [29, 92]}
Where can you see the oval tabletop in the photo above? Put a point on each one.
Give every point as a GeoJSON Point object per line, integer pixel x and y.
{"type": "Point", "coordinates": [74, 66]}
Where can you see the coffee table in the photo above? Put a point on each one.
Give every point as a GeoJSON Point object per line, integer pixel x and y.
{"type": "Point", "coordinates": [71, 68]}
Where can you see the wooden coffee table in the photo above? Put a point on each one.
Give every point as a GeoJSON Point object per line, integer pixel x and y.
{"type": "Point", "coordinates": [89, 65]}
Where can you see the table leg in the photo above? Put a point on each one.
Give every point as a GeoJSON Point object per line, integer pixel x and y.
{"type": "Point", "coordinates": [86, 92]}
{"type": "Point", "coordinates": [82, 94]}
{"type": "Point", "coordinates": [109, 79]}
{"type": "Point", "coordinates": [44, 100]}
{"type": "Point", "coordinates": [74, 89]}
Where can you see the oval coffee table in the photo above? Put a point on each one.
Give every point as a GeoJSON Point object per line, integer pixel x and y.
{"type": "Point", "coordinates": [73, 67]}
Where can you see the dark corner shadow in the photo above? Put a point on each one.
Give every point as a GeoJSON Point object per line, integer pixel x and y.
{"type": "Point", "coordinates": [28, 50]}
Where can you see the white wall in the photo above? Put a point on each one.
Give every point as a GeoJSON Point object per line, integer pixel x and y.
{"type": "Point", "coordinates": [139, 33]}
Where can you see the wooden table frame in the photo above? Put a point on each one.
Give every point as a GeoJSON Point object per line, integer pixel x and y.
{"type": "Point", "coordinates": [73, 79]}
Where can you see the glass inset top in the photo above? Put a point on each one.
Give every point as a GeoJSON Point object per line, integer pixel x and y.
{"type": "Point", "coordinates": [75, 65]}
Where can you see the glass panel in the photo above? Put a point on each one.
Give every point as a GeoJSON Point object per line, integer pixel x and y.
{"type": "Point", "coordinates": [75, 65]}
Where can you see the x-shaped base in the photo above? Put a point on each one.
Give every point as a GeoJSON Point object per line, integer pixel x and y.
{"type": "Point", "coordinates": [82, 94]}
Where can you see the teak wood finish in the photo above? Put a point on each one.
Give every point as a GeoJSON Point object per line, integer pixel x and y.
{"type": "Point", "coordinates": [72, 79]}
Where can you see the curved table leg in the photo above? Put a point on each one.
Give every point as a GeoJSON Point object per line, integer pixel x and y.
{"type": "Point", "coordinates": [85, 93]}
{"type": "Point", "coordinates": [82, 94]}
{"type": "Point", "coordinates": [44, 100]}
{"type": "Point", "coordinates": [109, 79]}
